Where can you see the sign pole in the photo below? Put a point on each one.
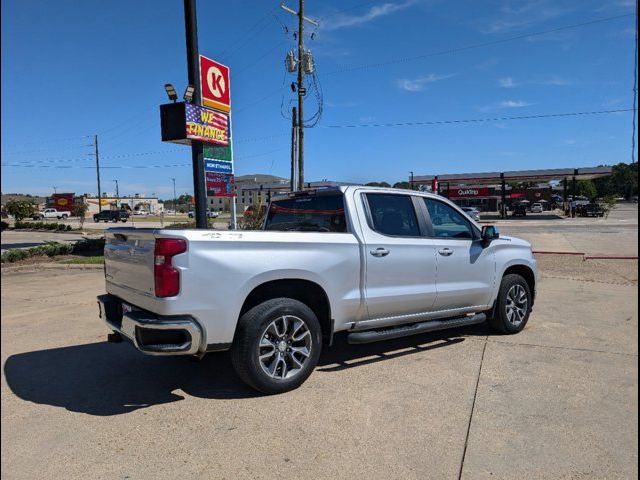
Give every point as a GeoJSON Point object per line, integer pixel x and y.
{"type": "Point", "coordinates": [232, 223]}
{"type": "Point", "coordinates": [197, 157]}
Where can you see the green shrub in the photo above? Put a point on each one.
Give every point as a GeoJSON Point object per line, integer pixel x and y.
{"type": "Point", "coordinates": [50, 249]}
{"type": "Point", "coordinates": [59, 227]}
{"type": "Point", "coordinates": [4, 224]}
{"type": "Point", "coordinates": [14, 255]}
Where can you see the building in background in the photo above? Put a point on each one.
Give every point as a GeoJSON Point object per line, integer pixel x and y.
{"type": "Point", "coordinates": [133, 203]}
{"type": "Point", "coordinates": [258, 189]}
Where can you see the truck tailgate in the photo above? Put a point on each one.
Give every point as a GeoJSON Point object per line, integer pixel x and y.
{"type": "Point", "coordinates": [128, 259]}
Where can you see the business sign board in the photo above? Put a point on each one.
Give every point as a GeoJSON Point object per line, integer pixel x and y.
{"type": "Point", "coordinates": [62, 202]}
{"type": "Point", "coordinates": [206, 125]}
{"type": "Point", "coordinates": [217, 166]}
{"type": "Point", "coordinates": [219, 184]}
{"type": "Point", "coordinates": [466, 192]}
{"type": "Point", "coordinates": [214, 84]}
{"type": "Point", "coordinates": [184, 122]}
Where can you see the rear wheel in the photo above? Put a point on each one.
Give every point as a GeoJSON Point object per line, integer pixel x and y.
{"type": "Point", "coordinates": [513, 305]}
{"type": "Point", "coordinates": [277, 345]}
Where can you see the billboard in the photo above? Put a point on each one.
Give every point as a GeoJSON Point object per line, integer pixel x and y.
{"type": "Point", "coordinates": [215, 84]}
{"type": "Point", "coordinates": [63, 202]}
{"type": "Point", "coordinates": [219, 184]}
{"type": "Point", "coordinates": [206, 125]}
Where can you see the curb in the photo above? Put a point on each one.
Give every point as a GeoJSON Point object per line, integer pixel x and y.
{"type": "Point", "coordinates": [48, 266]}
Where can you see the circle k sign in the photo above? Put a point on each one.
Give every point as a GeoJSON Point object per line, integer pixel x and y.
{"type": "Point", "coordinates": [214, 82]}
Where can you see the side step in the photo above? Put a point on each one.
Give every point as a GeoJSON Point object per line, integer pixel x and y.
{"type": "Point", "coordinates": [404, 331]}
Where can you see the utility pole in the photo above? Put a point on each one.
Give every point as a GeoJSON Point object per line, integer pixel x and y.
{"type": "Point", "coordinates": [411, 181]}
{"type": "Point", "coordinates": [175, 199]}
{"type": "Point", "coordinates": [301, 94]}
{"type": "Point", "coordinates": [300, 85]}
{"type": "Point", "coordinates": [197, 157]}
{"type": "Point", "coordinates": [294, 152]}
{"type": "Point", "coordinates": [95, 143]}
{"type": "Point", "coordinates": [54, 190]}
{"type": "Point", "coordinates": [117, 194]}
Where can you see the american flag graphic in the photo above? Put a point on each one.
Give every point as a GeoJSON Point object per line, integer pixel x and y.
{"type": "Point", "coordinates": [207, 125]}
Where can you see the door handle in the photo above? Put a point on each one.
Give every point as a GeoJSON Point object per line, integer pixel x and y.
{"type": "Point", "coordinates": [379, 252]}
{"type": "Point", "coordinates": [445, 252]}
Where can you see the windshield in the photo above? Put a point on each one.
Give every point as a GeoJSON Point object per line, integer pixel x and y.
{"type": "Point", "coordinates": [313, 213]}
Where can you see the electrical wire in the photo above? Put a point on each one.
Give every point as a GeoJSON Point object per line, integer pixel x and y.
{"type": "Point", "coordinates": [475, 46]}
{"type": "Point", "coordinates": [481, 120]}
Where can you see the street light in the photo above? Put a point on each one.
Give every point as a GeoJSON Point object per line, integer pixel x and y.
{"type": "Point", "coordinates": [188, 93]}
{"type": "Point", "coordinates": [175, 200]}
{"type": "Point", "coordinates": [171, 92]}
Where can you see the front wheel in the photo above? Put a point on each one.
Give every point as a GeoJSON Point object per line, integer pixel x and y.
{"type": "Point", "coordinates": [277, 345]}
{"type": "Point", "coordinates": [513, 305]}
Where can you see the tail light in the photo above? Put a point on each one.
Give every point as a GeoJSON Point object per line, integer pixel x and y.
{"type": "Point", "coordinates": [166, 276]}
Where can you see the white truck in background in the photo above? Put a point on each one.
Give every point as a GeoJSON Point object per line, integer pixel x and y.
{"type": "Point", "coordinates": [374, 263]}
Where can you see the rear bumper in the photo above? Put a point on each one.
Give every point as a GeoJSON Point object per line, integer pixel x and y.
{"type": "Point", "coordinates": [152, 334]}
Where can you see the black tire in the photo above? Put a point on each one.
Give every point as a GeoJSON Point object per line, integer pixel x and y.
{"type": "Point", "coordinates": [251, 328]}
{"type": "Point", "coordinates": [499, 319]}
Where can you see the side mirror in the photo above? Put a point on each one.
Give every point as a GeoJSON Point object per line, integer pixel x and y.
{"type": "Point", "coordinates": [489, 233]}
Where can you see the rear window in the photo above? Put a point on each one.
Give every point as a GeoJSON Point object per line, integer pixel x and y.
{"type": "Point", "coordinates": [313, 213]}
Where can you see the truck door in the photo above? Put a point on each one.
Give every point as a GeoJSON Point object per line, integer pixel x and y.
{"type": "Point", "coordinates": [400, 274]}
{"type": "Point", "coordinates": [466, 270]}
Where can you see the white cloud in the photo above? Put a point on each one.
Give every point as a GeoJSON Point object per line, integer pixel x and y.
{"type": "Point", "coordinates": [513, 104]}
{"type": "Point", "coordinates": [556, 81]}
{"type": "Point", "coordinates": [345, 21]}
{"type": "Point", "coordinates": [507, 82]}
{"type": "Point", "coordinates": [515, 16]}
{"type": "Point", "coordinates": [418, 84]}
{"type": "Point", "coordinates": [505, 104]}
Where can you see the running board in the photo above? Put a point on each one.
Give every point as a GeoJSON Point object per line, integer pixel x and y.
{"type": "Point", "coordinates": [415, 329]}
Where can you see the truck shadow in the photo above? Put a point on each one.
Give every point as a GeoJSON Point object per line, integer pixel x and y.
{"type": "Point", "coordinates": [105, 379]}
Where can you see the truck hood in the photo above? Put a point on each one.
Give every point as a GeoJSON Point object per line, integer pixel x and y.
{"type": "Point", "coordinates": [515, 241]}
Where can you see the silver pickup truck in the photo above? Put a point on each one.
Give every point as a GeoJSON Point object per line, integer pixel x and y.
{"type": "Point", "coordinates": [372, 262]}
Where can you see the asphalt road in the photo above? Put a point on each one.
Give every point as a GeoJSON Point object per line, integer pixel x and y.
{"type": "Point", "coordinates": [558, 400]}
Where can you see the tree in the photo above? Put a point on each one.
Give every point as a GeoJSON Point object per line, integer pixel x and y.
{"type": "Point", "coordinates": [586, 188]}
{"type": "Point", "coordinates": [80, 210]}
{"type": "Point", "coordinates": [405, 185]}
{"type": "Point", "coordinates": [623, 181]}
{"type": "Point", "coordinates": [20, 209]}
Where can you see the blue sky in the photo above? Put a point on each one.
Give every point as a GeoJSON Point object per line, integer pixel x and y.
{"type": "Point", "coordinates": [74, 69]}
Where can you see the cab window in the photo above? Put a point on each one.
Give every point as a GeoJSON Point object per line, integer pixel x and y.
{"type": "Point", "coordinates": [447, 222]}
{"type": "Point", "coordinates": [393, 214]}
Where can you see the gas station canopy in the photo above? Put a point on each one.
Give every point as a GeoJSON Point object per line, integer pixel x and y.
{"type": "Point", "coordinates": [587, 173]}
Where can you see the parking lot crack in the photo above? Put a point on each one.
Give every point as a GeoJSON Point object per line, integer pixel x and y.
{"type": "Point", "coordinates": [473, 406]}
{"type": "Point", "coordinates": [575, 349]}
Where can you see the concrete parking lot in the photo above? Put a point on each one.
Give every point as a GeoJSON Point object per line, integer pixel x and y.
{"type": "Point", "coordinates": [559, 400]}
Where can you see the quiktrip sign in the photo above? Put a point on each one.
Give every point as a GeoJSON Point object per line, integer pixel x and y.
{"type": "Point", "coordinates": [469, 192]}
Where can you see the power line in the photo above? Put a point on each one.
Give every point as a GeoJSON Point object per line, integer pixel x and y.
{"type": "Point", "coordinates": [635, 91]}
{"type": "Point", "coordinates": [477, 45]}
{"type": "Point", "coordinates": [481, 120]}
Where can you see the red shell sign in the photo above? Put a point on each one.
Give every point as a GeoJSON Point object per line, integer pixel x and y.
{"type": "Point", "coordinates": [214, 84]}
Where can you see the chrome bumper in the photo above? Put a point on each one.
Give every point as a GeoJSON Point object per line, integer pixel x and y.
{"type": "Point", "coordinates": [138, 326]}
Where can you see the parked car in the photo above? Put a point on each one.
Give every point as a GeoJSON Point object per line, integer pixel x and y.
{"type": "Point", "coordinates": [590, 210]}
{"type": "Point", "coordinates": [111, 216]}
{"type": "Point", "coordinates": [519, 209]}
{"type": "Point", "coordinates": [210, 214]}
{"type": "Point", "coordinates": [51, 213]}
{"type": "Point", "coordinates": [537, 208]}
{"type": "Point", "coordinates": [376, 263]}
{"type": "Point", "coordinates": [473, 213]}
{"type": "Point", "coordinates": [141, 212]}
